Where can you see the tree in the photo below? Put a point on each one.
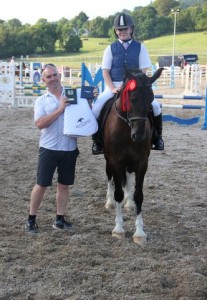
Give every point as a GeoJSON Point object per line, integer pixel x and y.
{"type": "Point", "coordinates": [145, 21]}
{"type": "Point", "coordinates": [25, 42]}
{"type": "Point", "coordinates": [79, 22]}
{"type": "Point", "coordinates": [188, 3]}
{"type": "Point", "coordinates": [73, 44]}
{"type": "Point", "coordinates": [9, 37]}
{"type": "Point", "coordinates": [201, 22]}
{"type": "Point", "coordinates": [3, 41]}
{"type": "Point", "coordinates": [184, 22]}
{"type": "Point", "coordinates": [163, 26]}
{"type": "Point", "coordinates": [154, 20]}
{"type": "Point", "coordinates": [98, 27]}
{"type": "Point", "coordinates": [44, 34]}
{"type": "Point", "coordinates": [14, 25]}
{"type": "Point", "coordinates": [63, 30]}
{"type": "Point", "coordinates": [163, 7]}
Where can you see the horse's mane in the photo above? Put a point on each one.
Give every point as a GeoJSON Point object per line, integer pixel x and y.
{"type": "Point", "coordinates": [131, 72]}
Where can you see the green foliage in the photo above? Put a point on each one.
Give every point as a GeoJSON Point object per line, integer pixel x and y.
{"type": "Point", "coordinates": [93, 48]}
{"type": "Point", "coordinates": [73, 44]}
{"type": "Point", "coordinates": [98, 27]}
{"type": "Point", "coordinates": [163, 7]}
{"type": "Point", "coordinates": [201, 23]}
{"type": "Point", "coordinates": [145, 21]}
{"type": "Point", "coordinates": [44, 34]}
{"type": "Point", "coordinates": [65, 35]}
{"type": "Point", "coordinates": [188, 3]}
{"type": "Point", "coordinates": [183, 45]}
{"type": "Point", "coordinates": [78, 23]}
{"type": "Point", "coordinates": [163, 26]}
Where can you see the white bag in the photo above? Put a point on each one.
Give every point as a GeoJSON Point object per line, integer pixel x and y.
{"type": "Point", "coordinates": [79, 119]}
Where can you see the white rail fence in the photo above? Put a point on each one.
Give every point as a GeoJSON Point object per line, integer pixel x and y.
{"type": "Point", "coordinates": [14, 90]}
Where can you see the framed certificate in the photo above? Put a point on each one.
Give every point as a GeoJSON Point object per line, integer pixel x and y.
{"type": "Point", "coordinates": [71, 95]}
{"type": "Point", "coordinates": [87, 92]}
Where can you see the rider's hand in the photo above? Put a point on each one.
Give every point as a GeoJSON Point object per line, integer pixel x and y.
{"type": "Point", "coordinates": [116, 90]}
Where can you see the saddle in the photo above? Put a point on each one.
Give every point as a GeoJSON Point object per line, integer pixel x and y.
{"type": "Point", "coordinates": [104, 112]}
{"type": "Point", "coordinates": [97, 138]}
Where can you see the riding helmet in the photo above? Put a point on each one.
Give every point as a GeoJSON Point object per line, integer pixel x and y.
{"type": "Point", "coordinates": [123, 21]}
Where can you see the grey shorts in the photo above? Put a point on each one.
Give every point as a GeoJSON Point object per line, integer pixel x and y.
{"type": "Point", "coordinates": [62, 161]}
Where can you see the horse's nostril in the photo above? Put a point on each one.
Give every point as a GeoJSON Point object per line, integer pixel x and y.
{"type": "Point", "coordinates": [138, 137]}
{"type": "Point", "coordinates": [134, 137]}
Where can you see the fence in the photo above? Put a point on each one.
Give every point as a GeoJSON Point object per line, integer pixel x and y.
{"type": "Point", "coordinates": [24, 95]}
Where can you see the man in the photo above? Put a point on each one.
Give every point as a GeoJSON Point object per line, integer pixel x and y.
{"type": "Point", "coordinates": [56, 151]}
{"type": "Point", "coordinates": [125, 52]}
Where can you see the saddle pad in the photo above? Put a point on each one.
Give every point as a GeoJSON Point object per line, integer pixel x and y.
{"type": "Point", "coordinates": [79, 119]}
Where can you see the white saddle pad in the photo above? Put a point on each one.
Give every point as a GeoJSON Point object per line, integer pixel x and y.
{"type": "Point", "coordinates": [79, 119]}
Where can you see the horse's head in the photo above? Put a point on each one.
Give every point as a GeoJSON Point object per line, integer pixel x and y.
{"type": "Point", "coordinates": [136, 98]}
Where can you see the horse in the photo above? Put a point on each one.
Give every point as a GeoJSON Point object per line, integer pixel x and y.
{"type": "Point", "coordinates": [127, 135]}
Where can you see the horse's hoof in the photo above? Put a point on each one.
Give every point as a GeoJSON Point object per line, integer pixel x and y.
{"type": "Point", "coordinates": [140, 240]}
{"type": "Point", "coordinates": [119, 235]}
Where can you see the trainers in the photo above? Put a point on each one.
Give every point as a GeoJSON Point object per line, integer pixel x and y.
{"type": "Point", "coordinates": [61, 224]}
{"type": "Point", "coordinates": [31, 226]}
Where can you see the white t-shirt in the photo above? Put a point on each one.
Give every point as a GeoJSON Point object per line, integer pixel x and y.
{"type": "Point", "coordinates": [52, 137]}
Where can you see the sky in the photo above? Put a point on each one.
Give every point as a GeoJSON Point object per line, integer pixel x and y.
{"type": "Point", "coordinates": [28, 11]}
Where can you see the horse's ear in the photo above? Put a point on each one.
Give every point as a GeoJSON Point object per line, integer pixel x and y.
{"type": "Point", "coordinates": [156, 75]}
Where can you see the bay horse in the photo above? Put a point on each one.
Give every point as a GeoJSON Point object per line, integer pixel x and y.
{"type": "Point", "coordinates": [127, 135]}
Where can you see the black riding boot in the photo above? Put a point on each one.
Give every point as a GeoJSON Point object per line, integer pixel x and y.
{"type": "Point", "coordinates": [157, 141]}
{"type": "Point", "coordinates": [97, 147]}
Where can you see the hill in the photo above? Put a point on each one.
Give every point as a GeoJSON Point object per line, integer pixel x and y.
{"type": "Point", "coordinates": [92, 50]}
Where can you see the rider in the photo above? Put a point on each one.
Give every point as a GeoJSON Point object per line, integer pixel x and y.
{"type": "Point", "coordinates": [125, 52]}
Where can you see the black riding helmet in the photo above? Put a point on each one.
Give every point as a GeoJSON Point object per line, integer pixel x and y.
{"type": "Point", "coordinates": [123, 21]}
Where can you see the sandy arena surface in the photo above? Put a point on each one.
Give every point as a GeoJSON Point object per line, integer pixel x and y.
{"type": "Point", "coordinates": [88, 263]}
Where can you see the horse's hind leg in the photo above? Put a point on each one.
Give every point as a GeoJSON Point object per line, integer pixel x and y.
{"type": "Point", "coordinates": [118, 230]}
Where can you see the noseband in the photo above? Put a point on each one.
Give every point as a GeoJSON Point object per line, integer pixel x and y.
{"type": "Point", "coordinates": [129, 120]}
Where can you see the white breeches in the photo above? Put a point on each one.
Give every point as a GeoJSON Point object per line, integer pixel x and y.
{"type": "Point", "coordinates": [101, 100]}
{"type": "Point", "coordinates": [156, 108]}
{"type": "Point", "coordinates": [107, 94]}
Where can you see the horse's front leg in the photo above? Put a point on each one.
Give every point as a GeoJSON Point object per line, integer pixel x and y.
{"type": "Point", "coordinates": [110, 203]}
{"type": "Point", "coordinates": [139, 236]}
{"type": "Point", "coordinates": [129, 202]}
{"type": "Point", "coordinates": [118, 230]}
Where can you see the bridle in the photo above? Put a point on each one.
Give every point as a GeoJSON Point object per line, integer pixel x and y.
{"type": "Point", "coordinates": [129, 120]}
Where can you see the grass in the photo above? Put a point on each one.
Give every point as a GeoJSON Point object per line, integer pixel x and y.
{"type": "Point", "coordinates": [188, 43]}
{"type": "Point", "coordinates": [92, 50]}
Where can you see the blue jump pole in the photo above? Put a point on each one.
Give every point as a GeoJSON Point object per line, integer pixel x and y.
{"type": "Point", "coordinates": [205, 113]}
{"type": "Point", "coordinates": [180, 120]}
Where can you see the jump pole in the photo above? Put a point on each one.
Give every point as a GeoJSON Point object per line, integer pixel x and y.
{"type": "Point", "coordinates": [205, 113]}
{"type": "Point", "coordinates": [181, 121]}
